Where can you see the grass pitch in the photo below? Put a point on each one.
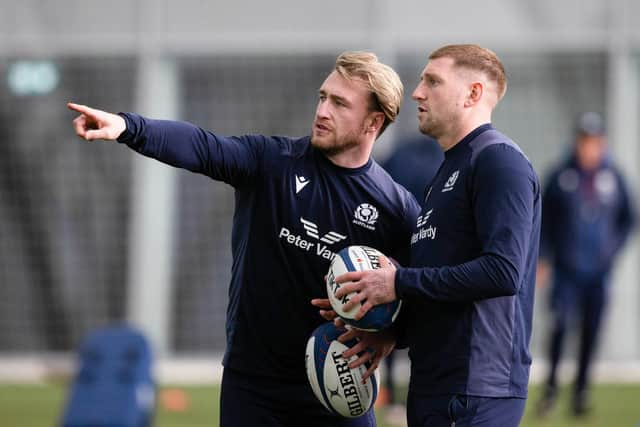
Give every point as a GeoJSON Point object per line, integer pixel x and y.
{"type": "Point", "coordinates": [615, 405]}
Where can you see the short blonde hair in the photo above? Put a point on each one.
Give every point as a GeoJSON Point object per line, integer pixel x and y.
{"type": "Point", "coordinates": [381, 80]}
{"type": "Point", "coordinates": [476, 58]}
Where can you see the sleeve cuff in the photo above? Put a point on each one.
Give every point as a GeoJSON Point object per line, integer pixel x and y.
{"type": "Point", "coordinates": [127, 136]}
{"type": "Point", "coordinates": [399, 287]}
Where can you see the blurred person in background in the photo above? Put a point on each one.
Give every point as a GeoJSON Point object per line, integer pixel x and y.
{"type": "Point", "coordinates": [412, 164]}
{"type": "Point", "coordinates": [587, 217]}
{"type": "Point", "coordinates": [298, 201]}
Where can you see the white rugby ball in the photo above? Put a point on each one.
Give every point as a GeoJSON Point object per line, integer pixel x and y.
{"type": "Point", "coordinates": [359, 258]}
{"type": "Point", "coordinates": [338, 387]}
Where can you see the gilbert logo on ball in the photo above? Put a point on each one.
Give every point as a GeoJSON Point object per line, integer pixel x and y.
{"type": "Point", "coordinates": [338, 387]}
{"type": "Point", "coordinates": [359, 258]}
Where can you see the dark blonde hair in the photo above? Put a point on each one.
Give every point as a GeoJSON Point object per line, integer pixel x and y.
{"type": "Point", "coordinates": [476, 58]}
{"type": "Point", "coordinates": [381, 80]}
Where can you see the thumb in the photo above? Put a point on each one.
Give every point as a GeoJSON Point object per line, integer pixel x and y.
{"type": "Point", "coordinates": [384, 262]}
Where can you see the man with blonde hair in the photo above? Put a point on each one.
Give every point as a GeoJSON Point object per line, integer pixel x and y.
{"type": "Point", "coordinates": [298, 201]}
{"type": "Point", "coordinates": [468, 290]}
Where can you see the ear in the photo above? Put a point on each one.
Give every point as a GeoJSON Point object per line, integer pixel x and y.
{"type": "Point", "coordinates": [374, 121]}
{"type": "Point", "coordinates": [476, 90]}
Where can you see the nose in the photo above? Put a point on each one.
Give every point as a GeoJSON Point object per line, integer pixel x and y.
{"type": "Point", "coordinates": [418, 93]}
{"type": "Point", "coordinates": [322, 110]}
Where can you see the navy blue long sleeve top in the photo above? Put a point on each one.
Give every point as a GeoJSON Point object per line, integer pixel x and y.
{"type": "Point", "coordinates": [468, 293]}
{"type": "Point", "coordinates": [587, 217]}
{"type": "Point", "coordinates": [414, 164]}
{"type": "Point", "coordinates": [294, 209]}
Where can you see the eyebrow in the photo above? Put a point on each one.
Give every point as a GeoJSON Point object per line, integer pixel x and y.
{"type": "Point", "coordinates": [335, 97]}
{"type": "Point", "coordinates": [428, 74]}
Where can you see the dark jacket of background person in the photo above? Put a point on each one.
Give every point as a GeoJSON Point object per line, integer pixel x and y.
{"type": "Point", "coordinates": [414, 164]}
{"type": "Point", "coordinates": [586, 218]}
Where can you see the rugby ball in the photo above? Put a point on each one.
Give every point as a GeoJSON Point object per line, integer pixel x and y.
{"type": "Point", "coordinates": [338, 387]}
{"type": "Point", "coordinates": [359, 258]}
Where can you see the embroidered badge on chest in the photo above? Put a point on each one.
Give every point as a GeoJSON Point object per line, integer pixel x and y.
{"type": "Point", "coordinates": [366, 216]}
{"type": "Point", "coordinates": [448, 186]}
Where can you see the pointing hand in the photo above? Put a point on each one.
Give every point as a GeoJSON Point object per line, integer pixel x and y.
{"type": "Point", "coordinates": [96, 124]}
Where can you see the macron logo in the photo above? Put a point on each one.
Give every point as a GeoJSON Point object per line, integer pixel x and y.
{"type": "Point", "coordinates": [301, 182]}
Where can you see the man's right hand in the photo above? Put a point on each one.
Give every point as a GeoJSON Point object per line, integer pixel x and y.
{"type": "Point", "coordinates": [96, 124]}
{"type": "Point", "coordinates": [371, 347]}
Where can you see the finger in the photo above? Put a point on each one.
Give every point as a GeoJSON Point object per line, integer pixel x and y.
{"type": "Point", "coordinates": [348, 306]}
{"type": "Point", "coordinates": [372, 368]}
{"type": "Point", "coordinates": [363, 310]}
{"type": "Point", "coordinates": [348, 335]}
{"type": "Point", "coordinates": [339, 323]}
{"type": "Point", "coordinates": [328, 314]}
{"type": "Point", "coordinates": [352, 276]}
{"type": "Point", "coordinates": [321, 302]}
{"type": "Point", "coordinates": [361, 360]}
{"type": "Point", "coordinates": [90, 135]}
{"type": "Point", "coordinates": [353, 302]}
{"type": "Point", "coordinates": [346, 289]}
{"type": "Point", "coordinates": [81, 108]}
{"type": "Point", "coordinates": [384, 262]}
{"type": "Point", "coordinates": [80, 125]}
{"type": "Point", "coordinates": [357, 349]}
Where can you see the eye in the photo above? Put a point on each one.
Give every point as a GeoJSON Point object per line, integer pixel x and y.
{"type": "Point", "coordinates": [322, 97]}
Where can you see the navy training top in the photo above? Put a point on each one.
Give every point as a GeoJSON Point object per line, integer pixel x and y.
{"type": "Point", "coordinates": [587, 217]}
{"type": "Point", "coordinates": [414, 164]}
{"type": "Point", "coordinates": [468, 293]}
{"type": "Point", "coordinates": [294, 210]}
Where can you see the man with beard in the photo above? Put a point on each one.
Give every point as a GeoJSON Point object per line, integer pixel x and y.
{"type": "Point", "coordinates": [468, 289]}
{"type": "Point", "coordinates": [298, 201]}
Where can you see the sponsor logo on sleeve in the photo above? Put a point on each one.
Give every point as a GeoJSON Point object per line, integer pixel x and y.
{"type": "Point", "coordinates": [423, 231]}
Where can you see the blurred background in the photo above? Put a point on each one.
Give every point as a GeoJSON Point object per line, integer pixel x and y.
{"type": "Point", "coordinates": [91, 234]}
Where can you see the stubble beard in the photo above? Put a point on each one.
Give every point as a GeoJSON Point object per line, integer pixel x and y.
{"type": "Point", "coordinates": [336, 146]}
{"type": "Point", "coordinates": [437, 127]}
{"type": "Point", "coordinates": [429, 128]}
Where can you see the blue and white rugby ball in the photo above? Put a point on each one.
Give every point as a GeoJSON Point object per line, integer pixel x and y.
{"type": "Point", "coordinates": [359, 258]}
{"type": "Point", "coordinates": [336, 386]}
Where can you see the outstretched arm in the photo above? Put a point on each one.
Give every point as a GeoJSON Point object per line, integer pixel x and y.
{"type": "Point", "coordinates": [96, 124]}
{"type": "Point", "coordinates": [234, 160]}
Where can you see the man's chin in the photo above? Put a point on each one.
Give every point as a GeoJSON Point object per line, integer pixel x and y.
{"type": "Point", "coordinates": [320, 143]}
{"type": "Point", "coordinates": [325, 147]}
{"type": "Point", "coordinates": [426, 130]}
